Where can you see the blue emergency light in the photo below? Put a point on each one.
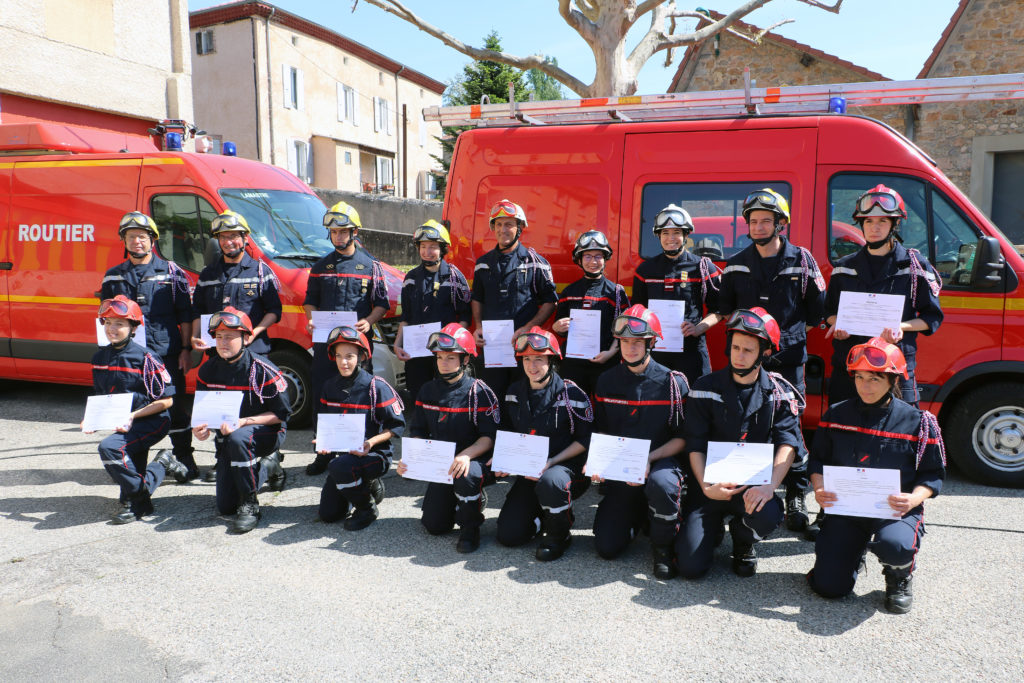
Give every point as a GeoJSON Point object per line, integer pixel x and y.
{"type": "Point", "coordinates": [837, 105]}
{"type": "Point", "coordinates": [229, 149]}
{"type": "Point", "coordinates": [172, 142]}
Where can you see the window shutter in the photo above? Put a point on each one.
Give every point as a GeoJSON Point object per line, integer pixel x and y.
{"type": "Point", "coordinates": [300, 101]}
{"type": "Point", "coordinates": [293, 157]}
{"type": "Point", "coordinates": [355, 107]}
{"type": "Point", "coordinates": [376, 114]}
{"type": "Point", "coordinates": [286, 77]}
{"type": "Point", "coordinates": [341, 102]}
{"type": "Point", "coordinates": [388, 111]}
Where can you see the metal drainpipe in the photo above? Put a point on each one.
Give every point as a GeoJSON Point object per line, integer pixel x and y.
{"type": "Point", "coordinates": [270, 91]}
{"type": "Point", "coordinates": [401, 132]}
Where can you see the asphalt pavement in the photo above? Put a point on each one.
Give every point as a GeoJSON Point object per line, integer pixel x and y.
{"type": "Point", "coordinates": [178, 597]}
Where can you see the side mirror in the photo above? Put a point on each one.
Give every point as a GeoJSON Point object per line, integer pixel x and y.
{"type": "Point", "coordinates": [989, 263]}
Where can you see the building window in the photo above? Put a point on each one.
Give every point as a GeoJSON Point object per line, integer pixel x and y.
{"type": "Point", "coordinates": [380, 78]}
{"type": "Point", "coordinates": [344, 60]}
{"type": "Point", "coordinates": [347, 109]}
{"type": "Point", "coordinates": [382, 116]}
{"type": "Point", "coordinates": [204, 42]}
{"type": "Point", "coordinates": [423, 133]}
{"type": "Point", "coordinates": [292, 79]}
{"type": "Point", "coordinates": [385, 174]}
{"type": "Point", "coordinates": [348, 158]}
{"type": "Point", "coordinates": [300, 159]}
{"type": "Point", "coordinates": [1008, 202]}
{"type": "Point", "coordinates": [295, 40]}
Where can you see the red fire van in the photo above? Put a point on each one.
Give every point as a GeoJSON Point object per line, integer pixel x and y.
{"type": "Point", "coordinates": [63, 190]}
{"type": "Point", "coordinates": [616, 175]}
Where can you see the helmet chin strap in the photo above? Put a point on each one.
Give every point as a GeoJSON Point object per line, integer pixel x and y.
{"type": "Point", "coordinates": [743, 372]}
{"type": "Point", "coordinates": [138, 255]}
{"type": "Point", "coordinates": [430, 264]}
{"type": "Point", "coordinates": [449, 376]}
{"type": "Point", "coordinates": [593, 276]}
{"type": "Point", "coordinates": [672, 253]}
{"type": "Point", "coordinates": [238, 355]}
{"type": "Point", "coordinates": [234, 253]}
{"type": "Point", "coordinates": [636, 363]}
{"type": "Point", "coordinates": [124, 342]}
{"type": "Point", "coordinates": [762, 241]}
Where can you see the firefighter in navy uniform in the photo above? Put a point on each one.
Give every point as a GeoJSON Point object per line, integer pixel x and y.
{"type": "Point", "coordinates": [455, 407]}
{"type": "Point", "coordinates": [161, 290]}
{"type": "Point", "coordinates": [876, 429]}
{"type": "Point", "coordinates": [742, 402]}
{"type": "Point", "coordinates": [353, 479]}
{"type": "Point", "coordinates": [785, 280]}
{"type": "Point", "coordinates": [246, 452]}
{"type": "Point", "coordinates": [347, 279]}
{"type": "Point", "coordinates": [680, 275]}
{"type": "Point", "coordinates": [546, 405]}
{"type": "Point", "coordinates": [433, 292]}
{"type": "Point", "coordinates": [593, 291]}
{"type": "Point", "coordinates": [125, 367]}
{"type": "Point", "coordinates": [642, 399]}
{"type": "Point", "coordinates": [510, 282]}
{"type": "Point", "coordinates": [239, 281]}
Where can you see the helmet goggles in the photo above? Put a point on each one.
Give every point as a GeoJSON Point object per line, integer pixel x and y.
{"type": "Point", "coordinates": [228, 222]}
{"type": "Point", "coordinates": [344, 333]}
{"type": "Point", "coordinates": [884, 200]}
{"type": "Point", "coordinates": [537, 342]}
{"type": "Point", "coordinates": [442, 341]}
{"type": "Point", "coordinates": [337, 219]}
{"type": "Point", "coordinates": [504, 208]}
{"type": "Point", "coordinates": [229, 320]}
{"type": "Point", "coordinates": [672, 218]}
{"type": "Point", "coordinates": [136, 219]}
{"type": "Point", "coordinates": [762, 198]}
{"type": "Point", "coordinates": [119, 308]}
{"type": "Point", "coordinates": [427, 233]}
{"type": "Point", "coordinates": [628, 326]}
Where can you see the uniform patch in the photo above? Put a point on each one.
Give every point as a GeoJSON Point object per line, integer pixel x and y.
{"type": "Point", "coordinates": [164, 375]}
{"type": "Point", "coordinates": [280, 383]}
{"type": "Point", "coordinates": [329, 266]}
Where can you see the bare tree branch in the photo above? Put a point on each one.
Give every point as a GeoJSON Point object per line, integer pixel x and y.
{"type": "Point", "coordinates": [587, 9]}
{"type": "Point", "coordinates": [583, 26]}
{"type": "Point", "coordinates": [755, 38]}
{"type": "Point", "coordinates": [531, 62]}
{"type": "Point", "coordinates": [656, 40]}
{"type": "Point", "coordinates": [645, 7]}
{"type": "Point", "coordinates": [834, 9]}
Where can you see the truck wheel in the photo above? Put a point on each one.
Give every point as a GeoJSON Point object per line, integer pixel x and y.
{"type": "Point", "coordinates": [296, 370]}
{"type": "Point", "coordinates": [985, 434]}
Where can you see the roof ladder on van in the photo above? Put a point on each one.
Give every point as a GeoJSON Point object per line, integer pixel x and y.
{"type": "Point", "coordinates": [804, 99]}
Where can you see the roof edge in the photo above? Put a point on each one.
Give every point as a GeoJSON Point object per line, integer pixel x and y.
{"type": "Point", "coordinates": [950, 27]}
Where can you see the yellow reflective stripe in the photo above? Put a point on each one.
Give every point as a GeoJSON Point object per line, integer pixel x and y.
{"type": "Point", "coordinates": [293, 309]}
{"type": "Point", "coordinates": [987, 303]}
{"type": "Point", "coordinates": [162, 161]}
{"type": "Point", "coordinates": [67, 300]}
{"type": "Point", "coordinates": [145, 161]}
{"type": "Point", "coordinates": [1015, 304]}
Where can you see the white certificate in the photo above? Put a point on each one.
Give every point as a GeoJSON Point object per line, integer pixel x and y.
{"type": "Point", "coordinates": [335, 432]}
{"type": "Point", "coordinates": [865, 314]}
{"type": "Point", "coordinates": [862, 492]}
{"type": "Point", "coordinates": [414, 338]}
{"type": "Point", "coordinates": [427, 459]}
{"type": "Point", "coordinates": [743, 463]}
{"type": "Point", "coordinates": [522, 454]}
{"type": "Point", "coordinates": [325, 321]}
{"type": "Point", "coordinates": [671, 316]}
{"type": "Point", "coordinates": [109, 411]}
{"type": "Point", "coordinates": [139, 337]}
{"type": "Point", "coordinates": [584, 334]}
{"type": "Point", "coordinates": [498, 351]}
{"type": "Point", "coordinates": [214, 408]}
{"type": "Point", "coordinates": [204, 330]}
{"type": "Point", "coordinates": [618, 458]}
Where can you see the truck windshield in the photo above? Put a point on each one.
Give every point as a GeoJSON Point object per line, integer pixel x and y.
{"type": "Point", "coordinates": [287, 226]}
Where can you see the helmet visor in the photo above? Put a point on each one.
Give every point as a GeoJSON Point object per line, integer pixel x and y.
{"type": "Point", "coordinates": [626, 325]}
{"type": "Point", "coordinates": [886, 201]}
{"type": "Point", "coordinates": [336, 219]}
{"type": "Point", "coordinates": [746, 321]}
{"type": "Point", "coordinates": [135, 220]}
{"type": "Point", "coordinates": [226, 319]}
{"type": "Point", "coordinates": [115, 306]}
{"type": "Point", "coordinates": [763, 198]}
{"type": "Point", "coordinates": [875, 357]}
{"type": "Point", "coordinates": [344, 333]}
{"type": "Point", "coordinates": [503, 208]}
{"type": "Point", "coordinates": [427, 234]}
{"type": "Point", "coordinates": [537, 342]}
{"type": "Point", "coordinates": [442, 341]}
{"type": "Point", "coordinates": [229, 222]}
{"type": "Point", "coordinates": [671, 219]}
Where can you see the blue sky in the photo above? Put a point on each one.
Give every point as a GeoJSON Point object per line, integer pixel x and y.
{"type": "Point", "coordinates": [893, 38]}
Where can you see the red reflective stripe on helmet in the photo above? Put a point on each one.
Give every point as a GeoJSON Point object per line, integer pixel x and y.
{"type": "Point", "coordinates": [873, 432]}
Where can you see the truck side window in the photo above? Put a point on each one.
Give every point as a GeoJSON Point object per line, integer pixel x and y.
{"type": "Point", "coordinates": [717, 213]}
{"type": "Point", "coordinates": [184, 222]}
{"type": "Point", "coordinates": [954, 239]}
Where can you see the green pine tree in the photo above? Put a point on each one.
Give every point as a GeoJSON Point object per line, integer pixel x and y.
{"type": "Point", "coordinates": [542, 86]}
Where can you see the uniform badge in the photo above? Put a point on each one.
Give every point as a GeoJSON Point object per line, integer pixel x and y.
{"type": "Point", "coordinates": [360, 266]}
{"type": "Point", "coordinates": [164, 375]}
{"type": "Point", "coordinates": [280, 383]}
{"type": "Point", "coordinates": [329, 266]}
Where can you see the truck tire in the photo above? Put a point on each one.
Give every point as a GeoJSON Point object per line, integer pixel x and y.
{"type": "Point", "coordinates": [296, 370]}
{"type": "Point", "coordinates": [985, 434]}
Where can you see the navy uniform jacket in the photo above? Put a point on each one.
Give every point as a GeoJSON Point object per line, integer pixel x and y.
{"type": "Point", "coordinates": [266, 390]}
{"type": "Point", "coordinates": [690, 278]}
{"type": "Point", "coordinates": [560, 411]}
{"type": "Point", "coordinates": [852, 435]}
{"type": "Point", "coordinates": [513, 286]}
{"type": "Point", "coordinates": [648, 405]}
{"type": "Point", "coordinates": [250, 286]}
{"type": "Point", "coordinates": [461, 412]}
{"type": "Point", "coordinates": [853, 274]}
{"type": "Point", "coordinates": [714, 413]}
{"type": "Point", "coordinates": [435, 297]}
{"type": "Point", "coordinates": [363, 393]}
{"type": "Point", "coordinates": [599, 294]}
{"type": "Point", "coordinates": [347, 283]}
{"type": "Point", "coordinates": [134, 370]}
{"type": "Point", "coordinates": [161, 290]}
{"type": "Point", "coordinates": [795, 295]}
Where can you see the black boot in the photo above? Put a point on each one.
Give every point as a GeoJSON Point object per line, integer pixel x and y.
{"type": "Point", "coordinates": [469, 539]}
{"type": "Point", "coordinates": [247, 516]}
{"type": "Point", "coordinates": [210, 475]}
{"type": "Point", "coordinates": [664, 562]}
{"type": "Point", "coordinates": [173, 466]}
{"type": "Point", "coordinates": [555, 537]}
{"type": "Point", "coordinates": [319, 465]}
{"type": "Point", "coordinates": [124, 513]}
{"type": "Point", "coordinates": [364, 511]}
{"type": "Point", "coordinates": [812, 530]}
{"type": "Point", "coordinates": [796, 511]}
{"type": "Point", "coordinates": [377, 490]}
{"type": "Point", "coordinates": [744, 559]}
{"type": "Point", "coordinates": [899, 594]}
{"type": "Point", "coordinates": [276, 476]}
{"type": "Point", "coordinates": [189, 461]}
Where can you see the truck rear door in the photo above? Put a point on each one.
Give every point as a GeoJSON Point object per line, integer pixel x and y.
{"type": "Point", "coordinates": [6, 361]}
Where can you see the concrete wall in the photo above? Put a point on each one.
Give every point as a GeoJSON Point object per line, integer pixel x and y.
{"type": "Point", "coordinates": [127, 57]}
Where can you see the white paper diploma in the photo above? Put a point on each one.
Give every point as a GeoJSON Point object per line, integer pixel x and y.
{"type": "Point", "coordinates": [671, 316]}
{"type": "Point", "coordinates": [414, 338]}
{"type": "Point", "coordinates": [866, 315]}
{"type": "Point", "coordinates": [618, 458]}
{"type": "Point", "coordinates": [214, 408]}
{"type": "Point", "coordinates": [522, 454]}
{"type": "Point", "coordinates": [109, 411]}
{"type": "Point", "coordinates": [427, 459]}
{"type": "Point", "coordinates": [862, 492]}
{"type": "Point", "coordinates": [742, 463]}
{"type": "Point", "coordinates": [139, 337]}
{"type": "Point", "coordinates": [325, 321]}
{"type": "Point", "coordinates": [204, 330]}
{"type": "Point", "coordinates": [498, 351]}
{"type": "Point", "coordinates": [584, 334]}
{"type": "Point", "coordinates": [335, 432]}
